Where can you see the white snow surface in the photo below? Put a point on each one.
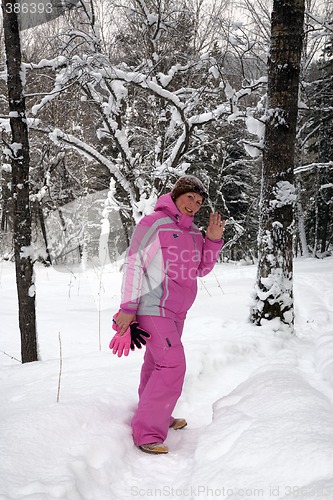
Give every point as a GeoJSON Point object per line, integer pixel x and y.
{"type": "Point", "coordinates": [259, 404]}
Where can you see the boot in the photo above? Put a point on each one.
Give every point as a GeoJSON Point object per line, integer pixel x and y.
{"type": "Point", "coordinates": [154, 448]}
{"type": "Point", "coordinates": [178, 423]}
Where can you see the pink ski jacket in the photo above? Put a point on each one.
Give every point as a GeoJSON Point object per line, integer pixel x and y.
{"type": "Point", "coordinates": [166, 255]}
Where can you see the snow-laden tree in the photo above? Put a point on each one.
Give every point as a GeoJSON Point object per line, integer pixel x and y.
{"type": "Point", "coordinates": [316, 177]}
{"type": "Point", "coordinates": [274, 286]}
{"type": "Point", "coordinates": [147, 119]}
{"type": "Point", "coordinates": [151, 103]}
{"type": "Point", "coordinates": [252, 37]}
{"type": "Point", "coordinates": [233, 182]}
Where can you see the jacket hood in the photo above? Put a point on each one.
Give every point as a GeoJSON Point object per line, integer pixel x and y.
{"type": "Point", "coordinates": [166, 204]}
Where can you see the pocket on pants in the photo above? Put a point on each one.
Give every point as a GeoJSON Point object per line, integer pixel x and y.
{"type": "Point", "coordinates": [173, 366]}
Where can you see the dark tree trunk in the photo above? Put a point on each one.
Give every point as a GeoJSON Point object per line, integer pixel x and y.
{"type": "Point", "coordinates": [43, 229]}
{"type": "Point", "coordinates": [274, 287]}
{"type": "Point", "coordinates": [6, 204]}
{"type": "Point", "coordinates": [326, 219]}
{"type": "Point", "coordinates": [19, 154]}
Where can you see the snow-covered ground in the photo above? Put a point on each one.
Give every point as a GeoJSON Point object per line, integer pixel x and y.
{"type": "Point", "coordinates": [259, 404]}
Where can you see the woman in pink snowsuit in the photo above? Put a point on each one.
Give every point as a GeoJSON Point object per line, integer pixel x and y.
{"type": "Point", "coordinates": [166, 255]}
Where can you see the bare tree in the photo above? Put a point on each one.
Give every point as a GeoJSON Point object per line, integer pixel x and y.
{"type": "Point", "coordinates": [18, 151]}
{"type": "Point", "coordinates": [274, 286]}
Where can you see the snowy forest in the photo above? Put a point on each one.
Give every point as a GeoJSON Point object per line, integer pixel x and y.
{"type": "Point", "coordinates": [104, 105]}
{"type": "Point", "coordinates": [120, 99]}
{"type": "Point", "coordinates": [125, 98]}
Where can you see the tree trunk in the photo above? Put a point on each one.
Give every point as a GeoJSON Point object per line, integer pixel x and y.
{"type": "Point", "coordinates": [301, 225]}
{"type": "Point", "coordinates": [326, 219]}
{"type": "Point", "coordinates": [274, 286]}
{"type": "Point", "coordinates": [316, 215]}
{"type": "Point", "coordinates": [6, 203]}
{"type": "Point", "coordinates": [18, 151]}
{"type": "Point", "coordinates": [44, 232]}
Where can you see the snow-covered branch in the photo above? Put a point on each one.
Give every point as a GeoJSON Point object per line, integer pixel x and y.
{"type": "Point", "coordinates": [70, 141]}
{"type": "Point", "coordinates": [312, 166]}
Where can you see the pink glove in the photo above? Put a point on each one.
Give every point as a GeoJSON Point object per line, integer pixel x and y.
{"type": "Point", "coordinates": [120, 344]}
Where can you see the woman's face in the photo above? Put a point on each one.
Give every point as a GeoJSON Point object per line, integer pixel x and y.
{"type": "Point", "coordinates": [189, 203]}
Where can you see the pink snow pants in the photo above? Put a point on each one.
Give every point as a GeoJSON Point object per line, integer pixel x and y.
{"type": "Point", "coordinates": [161, 380]}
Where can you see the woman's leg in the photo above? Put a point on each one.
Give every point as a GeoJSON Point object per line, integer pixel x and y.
{"type": "Point", "coordinates": [161, 382]}
{"type": "Point", "coordinates": [146, 370]}
{"type": "Point", "coordinates": [148, 360]}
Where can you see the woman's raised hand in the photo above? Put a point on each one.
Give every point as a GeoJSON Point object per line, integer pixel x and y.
{"type": "Point", "coordinates": [215, 227]}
